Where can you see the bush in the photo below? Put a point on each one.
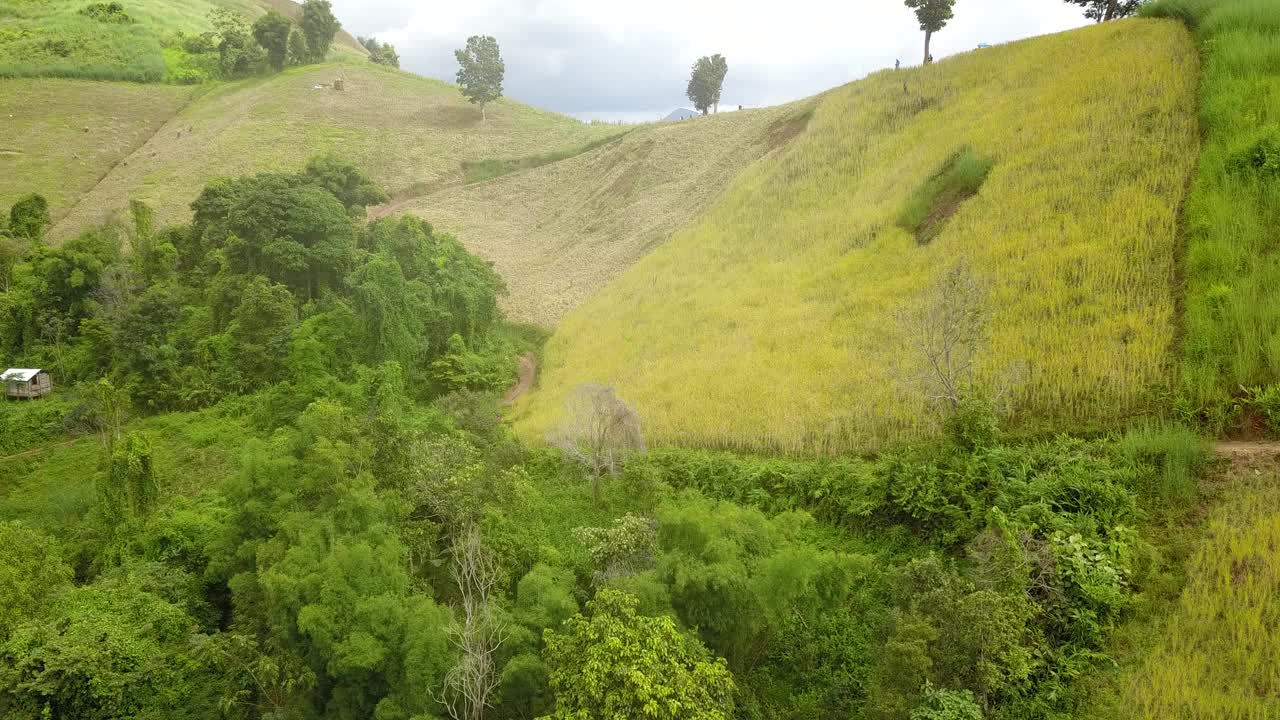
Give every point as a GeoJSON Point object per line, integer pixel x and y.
{"type": "Point", "coordinates": [972, 424]}
{"type": "Point", "coordinates": [109, 12]}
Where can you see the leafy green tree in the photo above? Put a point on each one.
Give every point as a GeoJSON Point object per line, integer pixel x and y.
{"type": "Point", "coordinates": [319, 26]}
{"type": "Point", "coordinates": [260, 331]}
{"type": "Point", "coordinates": [480, 71]}
{"type": "Point", "coordinates": [298, 53]}
{"type": "Point", "coordinates": [706, 81]}
{"type": "Point", "coordinates": [1103, 10]}
{"type": "Point", "coordinates": [380, 53]}
{"type": "Point", "coordinates": [941, 704]}
{"type": "Point", "coordinates": [611, 662]}
{"type": "Point", "coordinates": [272, 33]}
{"type": "Point", "coordinates": [129, 488]}
{"type": "Point", "coordinates": [238, 54]}
{"type": "Point", "coordinates": [344, 181]}
{"type": "Point", "coordinates": [29, 217]}
{"type": "Point", "coordinates": [933, 16]}
{"type": "Point", "coordinates": [109, 650]}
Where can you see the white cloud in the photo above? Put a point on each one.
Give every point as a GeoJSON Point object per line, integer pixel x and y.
{"type": "Point", "coordinates": [585, 56]}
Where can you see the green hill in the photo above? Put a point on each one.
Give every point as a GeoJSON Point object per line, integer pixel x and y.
{"type": "Point", "coordinates": [54, 38]}
{"type": "Point", "coordinates": [777, 320]}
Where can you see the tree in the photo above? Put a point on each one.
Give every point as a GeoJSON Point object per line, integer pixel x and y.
{"type": "Point", "coordinates": [1103, 10]}
{"type": "Point", "coordinates": [705, 82]}
{"type": "Point", "coordinates": [29, 217]}
{"type": "Point", "coordinates": [478, 634]}
{"type": "Point", "coordinates": [238, 55]}
{"type": "Point", "coordinates": [319, 26]}
{"type": "Point", "coordinates": [600, 432]}
{"type": "Point", "coordinates": [380, 53]}
{"type": "Point", "coordinates": [933, 16]}
{"type": "Point", "coordinates": [481, 71]}
{"type": "Point", "coordinates": [945, 333]}
{"type": "Point", "coordinates": [298, 52]}
{"type": "Point", "coordinates": [613, 663]}
{"type": "Point", "coordinates": [272, 33]}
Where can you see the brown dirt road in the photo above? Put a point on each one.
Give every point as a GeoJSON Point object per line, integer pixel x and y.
{"type": "Point", "coordinates": [528, 371]}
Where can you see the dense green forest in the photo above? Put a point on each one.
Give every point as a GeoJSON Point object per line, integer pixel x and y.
{"type": "Point", "coordinates": [294, 497]}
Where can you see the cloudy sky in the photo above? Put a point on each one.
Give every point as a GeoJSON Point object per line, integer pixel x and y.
{"type": "Point", "coordinates": [630, 60]}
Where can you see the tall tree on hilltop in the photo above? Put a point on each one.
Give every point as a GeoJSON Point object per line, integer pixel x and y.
{"type": "Point", "coordinates": [319, 26]}
{"type": "Point", "coordinates": [705, 82]}
{"type": "Point", "coordinates": [1103, 10]}
{"type": "Point", "coordinates": [272, 33]}
{"type": "Point", "coordinates": [481, 71]}
{"type": "Point", "coordinates": [933, 16]}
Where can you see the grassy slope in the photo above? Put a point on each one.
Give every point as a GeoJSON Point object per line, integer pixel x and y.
{"type": "Point", "coordinates": [1211, 652]}
{"type": "Point", "coordinates": [54, 489]}
{"type": "Point", "coordinates": [561, 232]}
{"type": "Point", "coordinates": [60, 137]}
{"type": "Point", "coordinates": [769, 323]}
{"type": "Point", "coordinates": [1233, 265]}
{"type": "Point", "coordinates": [408, 132]}
{"type": "Point", "coordinates": [99, 50]}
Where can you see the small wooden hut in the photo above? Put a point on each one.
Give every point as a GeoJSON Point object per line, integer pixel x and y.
{"type": "Point", "coordinates": [26, 383]}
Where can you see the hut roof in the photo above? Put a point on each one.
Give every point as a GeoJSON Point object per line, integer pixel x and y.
{"type": "Point", "coordinates": [19, 374]}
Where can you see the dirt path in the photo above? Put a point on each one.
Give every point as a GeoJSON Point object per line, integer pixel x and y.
{"type": "Point", "coordinates": [37, 451]}
{"type": "Point", "coordinates": [528, 370]}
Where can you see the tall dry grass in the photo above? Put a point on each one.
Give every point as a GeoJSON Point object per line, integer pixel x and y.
{"type": "Point", "coordinates": [769, 324]}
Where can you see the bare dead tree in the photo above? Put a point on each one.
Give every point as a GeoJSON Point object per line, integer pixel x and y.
{"type": "Point", "coordinates": [600, 431]}
{"type": "Point", "coordinates": [478, 633]}
{"type": "Point", "coordinates": [945, 333]}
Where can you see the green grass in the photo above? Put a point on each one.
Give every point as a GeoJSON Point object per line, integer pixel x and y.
{"type": "Point", "coordinates": [54, 489]}
{"type": "Point", "coordinates": [770, 324]}
{"type": "Point", "coordinates": [50, 38]}
{"type": "Point", "coordinates": [61, 137]}
{"type": "Point", "coordinates": [1232, 323]}
{"type": "Point", "coordinates": [928, 209]}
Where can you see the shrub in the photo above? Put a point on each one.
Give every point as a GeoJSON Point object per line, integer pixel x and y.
{"type": "Point", "coordinates": [972, 424]}
{"type": "Point", "coordinates": [109, 12]}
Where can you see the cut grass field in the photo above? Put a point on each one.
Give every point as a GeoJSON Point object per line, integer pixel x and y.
{"type": "Point", "coordinates": [769, 323]}
{"type": "Point", "coordinates": [560, 232]}
{"type": "Point", "coordinates": [50, 38]}
{"type": "Point", "coordinates": [409, 133]}
{"type": "Point", "coordinates": [61, 137]}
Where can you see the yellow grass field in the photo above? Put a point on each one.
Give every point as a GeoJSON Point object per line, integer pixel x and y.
{"type": "Point", "coordinates": [561, 232]}
{"type": "Point", "coordinates": [769, 323]}
{"type": "Point", "coordinates": [1217, 656]}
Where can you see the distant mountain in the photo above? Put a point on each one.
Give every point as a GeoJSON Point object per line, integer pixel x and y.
{"type": "Point", "coordinates": [680, 114]}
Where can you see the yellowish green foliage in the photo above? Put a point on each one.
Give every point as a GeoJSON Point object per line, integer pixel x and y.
{"type": "Point", "coordinates": [60, 137]}
{"type": "Point", "coordinates": [1218, 656]}
{"type": "Point", "coordinates": [561, 232]}
{"type": "Point", "coordinates": [770, 323]}
{"type": "Point", "coordinates": [410, 133]}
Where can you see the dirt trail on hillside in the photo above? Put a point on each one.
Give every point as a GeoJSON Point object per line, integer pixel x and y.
{"type": "Point", "coordinates": [528, 371]}
{"type": "Point", "coordinates": [37, 451]}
